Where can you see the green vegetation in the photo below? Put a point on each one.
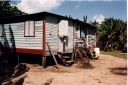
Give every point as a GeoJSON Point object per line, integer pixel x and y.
{"type": "Point", "coordinates": [115, 54]}
{"type": "Point", "coordinates": [6, 10]}
{"type": "Point", "coordinates": [112, 34]}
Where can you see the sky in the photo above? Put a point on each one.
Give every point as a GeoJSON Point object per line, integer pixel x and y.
{"type": "Point", "coordinates": [94, 9]}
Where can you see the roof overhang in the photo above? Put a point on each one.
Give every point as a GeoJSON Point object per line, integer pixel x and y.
{"type": "Point", "coordinates": [38, 16]}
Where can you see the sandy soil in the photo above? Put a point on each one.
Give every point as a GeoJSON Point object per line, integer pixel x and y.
{"type": "Point", "coordinates": [107, 70]}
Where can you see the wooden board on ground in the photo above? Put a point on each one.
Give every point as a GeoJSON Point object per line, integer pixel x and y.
{"type": "Point", "coordinates": [50, 49]}
{"type": "Point", "coordinates": [14, 80]}
{"type": "Point", "coordinates": [81, 57]}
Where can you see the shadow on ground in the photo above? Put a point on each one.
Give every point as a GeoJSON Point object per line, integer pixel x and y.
{"type": "Point", "coordinates": [119, 70]}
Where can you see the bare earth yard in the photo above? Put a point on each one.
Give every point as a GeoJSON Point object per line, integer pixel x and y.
{"type": "Point", "coordinates": [107, 70]}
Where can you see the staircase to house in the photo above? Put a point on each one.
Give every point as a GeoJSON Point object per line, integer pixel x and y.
{"type": "Point", "coordinates": [66, 58]}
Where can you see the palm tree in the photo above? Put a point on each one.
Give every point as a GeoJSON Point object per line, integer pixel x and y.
{"type": "Point", "coordinates": [113, 34]}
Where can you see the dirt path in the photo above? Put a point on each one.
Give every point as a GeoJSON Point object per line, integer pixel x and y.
{"type": "Point", "coordinates": [107, 70]}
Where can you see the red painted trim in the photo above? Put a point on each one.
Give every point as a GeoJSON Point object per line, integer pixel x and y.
{"type": "Point", "coordinates": [28, 51]}
{"type": "Point", "coordinates": [44, 42]}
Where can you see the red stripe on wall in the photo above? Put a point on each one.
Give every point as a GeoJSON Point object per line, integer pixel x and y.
{"type": "Point", "coordinates": [29, 51]}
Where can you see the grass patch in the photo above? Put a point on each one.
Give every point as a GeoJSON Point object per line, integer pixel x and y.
{"type": "Point", "coordinates": [115, 54]}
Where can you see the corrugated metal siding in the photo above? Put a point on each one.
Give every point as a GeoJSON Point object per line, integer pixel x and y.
{"type": "Point", "coordinates": [0, 32]}
{"type": "Point", "coordinates": [60, 44]}
{"type": "Point", "coordinates": [91, 40]}
{"type": "Point", "coordinates": [91, 37]}
{"type": "Point", "coordinates": [63, 28]}
{"type": "Point", "coordinates": [69, 47]}
{"type": "Point", "coordinates": [25, 42]}
{"type": "Point", "coordinates": [76, 33]}
{"type": "Point", "coordinates": [51, 33]}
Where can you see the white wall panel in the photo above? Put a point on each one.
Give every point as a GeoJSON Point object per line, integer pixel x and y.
{"type": "Point", "coordinates": [52, 33]}
{"type": "Point", "coordinates": [26, 42]}
{"type": "Point", "coordinates": [63, 28]}
{"type": "Point", "coordinates": [69, 47]}
{"type": "Point", "coordinates": [91, 37]}
{"type": "Point", "coordinates": [76, 33]}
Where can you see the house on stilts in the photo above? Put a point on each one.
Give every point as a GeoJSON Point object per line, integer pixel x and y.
{"type": "Point", "coordinates": [32, 31]}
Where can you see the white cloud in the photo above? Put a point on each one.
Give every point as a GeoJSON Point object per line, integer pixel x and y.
{"type": "Point", "coordinates": [34, 6]}
{"type": "Point", "coordinates": [94, 0]}
{"type": "Point", "coordinates": [98, 18]}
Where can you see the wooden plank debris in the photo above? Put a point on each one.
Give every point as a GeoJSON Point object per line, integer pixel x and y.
{"type": "Point", "coordinates": [85, 54]}
{"type": "Point", "coordinates": [85, 61]}
{"type": "Point", "coordinates": [14, 80]}
{"type": "Point", "coordinates": [50, 49]}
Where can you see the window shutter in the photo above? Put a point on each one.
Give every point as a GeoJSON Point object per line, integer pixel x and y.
{"type": "Point", "coordinates": [29, 29]}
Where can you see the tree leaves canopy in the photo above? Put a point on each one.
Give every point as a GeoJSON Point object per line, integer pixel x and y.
{"type": "Point", "coordinates": [112, 34]}
{"type": "Point", "coordinates": [6, 10]}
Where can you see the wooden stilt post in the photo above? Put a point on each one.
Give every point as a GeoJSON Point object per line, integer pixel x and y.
{"type": "Point", "coordinates": [44, 46]}
{"type": "Point", "coordinates": [18, 59]}
{"type": "Point", "coordinates": [44, 61]}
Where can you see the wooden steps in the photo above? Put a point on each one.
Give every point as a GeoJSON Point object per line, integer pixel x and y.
{"type": "Point", "coordinates": [66, 58]}
{"type": "Point", "coordinates": [69, 62]}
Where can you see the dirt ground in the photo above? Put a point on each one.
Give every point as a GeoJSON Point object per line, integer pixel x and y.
{"type": "Point", "coordinates": [107, 70]}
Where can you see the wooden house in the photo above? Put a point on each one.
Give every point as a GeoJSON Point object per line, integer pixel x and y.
{"type": "Point", "coordinates": [32, 31]}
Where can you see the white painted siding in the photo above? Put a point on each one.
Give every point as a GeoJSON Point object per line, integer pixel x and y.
{"type": "Point", "coordinates": [26, 42]}
{"type": "Point", "coordinates": [91, 40]}
{"type": "Point", "coordinates": [60, 44]}
{"type": "Point", "coordinates": [0, 32]}
{"type": "Point", "coordinates": [52, 33]}
{"type": "Point", "coordinates": [69, 47]}
{"type": "Point", "coordinates": [76, 33]}
{"type": "Point", "coordinates": [29, 28]}
{"type": "Point", "coordinates": [63, 28]}
{"type": "Point", "coordinates": [91, 37]}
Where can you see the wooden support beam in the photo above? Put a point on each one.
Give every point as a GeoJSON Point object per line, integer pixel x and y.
{"type": "Point", "coordinates": [43, 45]}
{"type": "Point", "coordinates": [85, 54]}
{"type": "Point", "coordinates": [50, 49]}
{"type": "Point", "coordinates": [44, 61]}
